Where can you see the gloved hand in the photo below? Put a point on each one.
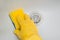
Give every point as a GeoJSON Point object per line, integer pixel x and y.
{"type": "Point", "coordinates": [26, 29]}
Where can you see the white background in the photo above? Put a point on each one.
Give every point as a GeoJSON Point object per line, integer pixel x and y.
{"type": "Point", "coordinates": [49, 27]}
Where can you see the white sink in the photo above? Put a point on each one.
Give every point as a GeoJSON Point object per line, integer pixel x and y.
{"type": "Point", "coordinates": [49, 26]}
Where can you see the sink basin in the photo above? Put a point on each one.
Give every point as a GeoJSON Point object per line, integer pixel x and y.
{"type": "Point", "coordinates": [48, 27]}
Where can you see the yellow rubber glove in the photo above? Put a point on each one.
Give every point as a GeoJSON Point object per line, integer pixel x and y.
{"type": "Point", "coordinates": [25, 27]}
{"type": "Point", "coordinates": [14, 14]}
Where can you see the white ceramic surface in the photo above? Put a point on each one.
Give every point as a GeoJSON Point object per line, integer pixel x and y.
{"type": "Point", "coordinates": [49, 27]}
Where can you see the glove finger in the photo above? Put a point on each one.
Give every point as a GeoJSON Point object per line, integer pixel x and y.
{"type": "Point", "coordinates": [17, 33]}
{"type": "Point", "coordinates": [20, 21]}
{"type": "Point", "coordinates": [27, 17]}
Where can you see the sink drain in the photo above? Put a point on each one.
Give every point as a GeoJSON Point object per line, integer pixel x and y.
{"type": "Point", "coordinates": [35, 17]}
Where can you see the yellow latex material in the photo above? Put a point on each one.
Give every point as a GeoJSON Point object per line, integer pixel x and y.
{"type": "Point", "coordinates": [25, 27]}
{"type": "Point", "coordinates": [14, 14]}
